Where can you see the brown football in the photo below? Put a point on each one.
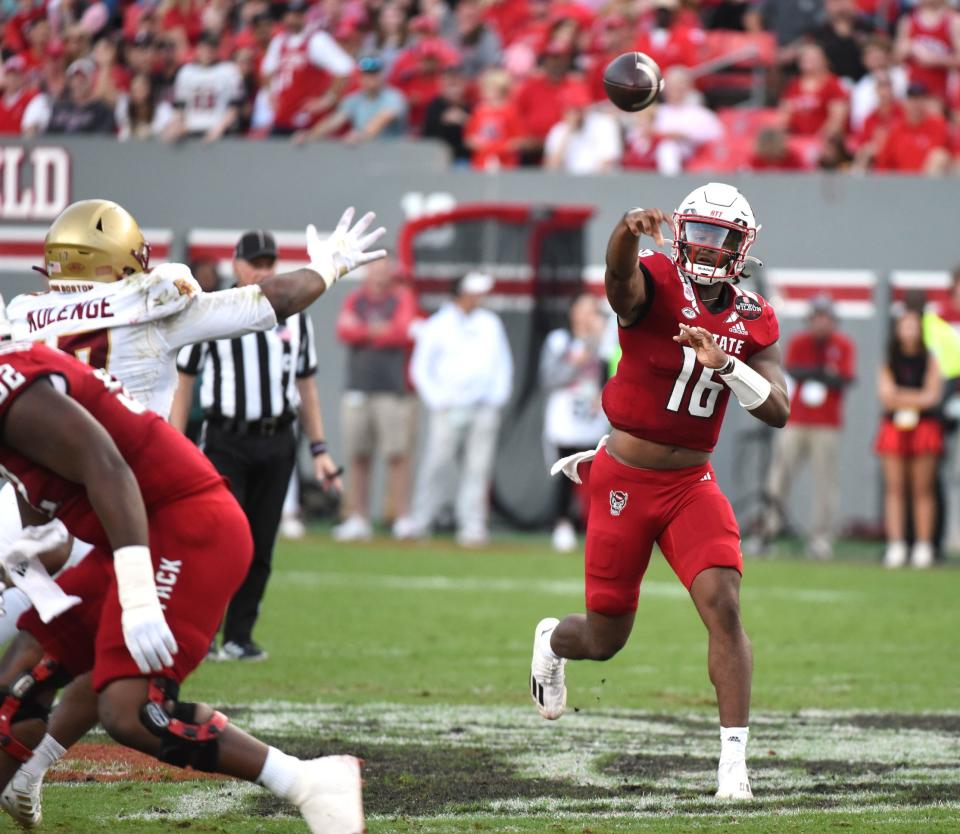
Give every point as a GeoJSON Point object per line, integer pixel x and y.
{"type": "Point", "coordinates": [632, 81]}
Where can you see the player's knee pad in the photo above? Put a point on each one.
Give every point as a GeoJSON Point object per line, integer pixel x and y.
{"type": "Point", "coordinates": [184, 742]}
{"type": "Point", "coordinates": [20, 702]}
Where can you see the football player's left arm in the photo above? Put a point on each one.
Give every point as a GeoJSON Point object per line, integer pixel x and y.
{"type": "Point", "coordinates": [325, 468]}
{"type": "Point", "coordinates": [775, 409]}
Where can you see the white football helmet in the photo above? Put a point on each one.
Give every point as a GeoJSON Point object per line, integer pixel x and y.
{"type": "Point", "coordinates": [714, 228]}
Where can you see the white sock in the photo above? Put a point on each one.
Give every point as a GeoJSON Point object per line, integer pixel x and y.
{"type": "Point", "coordinates": [279, 774]}
{"type": "Point", "coordinates": [14, 603]}
{"type": "Point", "coordinates": [733, 743]}
{"type": "Point", "coordinates": [45, 755]}
{"type": "Point", "coordinates": [547, 649]}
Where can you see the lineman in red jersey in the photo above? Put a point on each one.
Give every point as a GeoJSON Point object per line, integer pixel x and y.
{"type": "Point", "coordinates": [690, 338]}
{"type": "Point", "coordinates": [164, 527]}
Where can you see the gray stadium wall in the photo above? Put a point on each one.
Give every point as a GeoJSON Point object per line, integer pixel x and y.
{"type": "Point", "coordinates": [810, 222]}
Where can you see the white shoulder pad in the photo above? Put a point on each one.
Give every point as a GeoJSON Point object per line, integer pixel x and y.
{"type": "Point", "coordinates": [168, 288]}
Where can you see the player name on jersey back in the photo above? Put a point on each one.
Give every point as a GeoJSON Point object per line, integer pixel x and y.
{"type": "Point", "coordinates": [96, 309]}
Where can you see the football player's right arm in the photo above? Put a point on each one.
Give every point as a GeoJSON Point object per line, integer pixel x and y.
{"type": "Point", "coordinates": [624, 279]}
{"type": "Point", "coordinates": [182, 400]}
{"type": "Point", "coordinates": [58, 434]}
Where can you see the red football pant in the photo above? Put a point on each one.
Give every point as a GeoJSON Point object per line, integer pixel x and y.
{"type": "Point", "coordinates": [201, 548]}
{"type": "Point", "coordinates": [682, 510]}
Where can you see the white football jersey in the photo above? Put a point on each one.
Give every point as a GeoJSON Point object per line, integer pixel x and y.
{"type": "Point", "coordinates": [135, 327]}
{"type": "Point", "coordinates": [205, 93]}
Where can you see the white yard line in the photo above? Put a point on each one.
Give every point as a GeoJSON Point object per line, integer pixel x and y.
{"type": "Point", "coordinates": [560, 587]}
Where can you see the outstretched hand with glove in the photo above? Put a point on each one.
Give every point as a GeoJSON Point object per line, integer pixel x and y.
{"type": "Point", "coordinates": [345, 249]}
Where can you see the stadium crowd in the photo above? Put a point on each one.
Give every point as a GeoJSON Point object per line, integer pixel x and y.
{"type": "Point", "coordinates": [750, 84]}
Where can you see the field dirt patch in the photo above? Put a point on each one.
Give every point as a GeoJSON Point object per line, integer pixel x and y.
{"type": "Point", "coordinates": [89, 762]}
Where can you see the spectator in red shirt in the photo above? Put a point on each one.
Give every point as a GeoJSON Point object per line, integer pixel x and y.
{"type": "Point", "coordinates": [815, 103]}
{"type": "Point", "coordinates": [494, 130]}
{"type": "Point", "coordinates": [307, 72]}
{"type": "Point", "coordinates": [417, 74]}
{"type": "Point", "coordinates": [870, 138]}
{"type": "Point", "coordinates": [539, 100]}
{"type": "Point", "coordinates": [24, 110]}
{"type": "Point", "coordinates": [670, 41]}
{"type": "Point", "coordinates": [509, 17]}
{"type": "Point", "coordinates": [615, 37]}
{"type": "Point", "coordinates": [928, 42]}
{"type": "Point", "coordinates": [918, 142]}
{"type": "Point", "coordinates": [822, 362]}
{"type": "Point", "coordinates": [378, 412]}
{"type": "Point", "coordinates": [773, 153]}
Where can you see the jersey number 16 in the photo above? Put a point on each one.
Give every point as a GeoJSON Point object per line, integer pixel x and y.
{"type": "Point", "coordinates": [703, 398]}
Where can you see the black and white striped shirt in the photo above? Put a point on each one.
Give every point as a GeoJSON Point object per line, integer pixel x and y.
{"type": "Point", "coordinates": [253, 377]}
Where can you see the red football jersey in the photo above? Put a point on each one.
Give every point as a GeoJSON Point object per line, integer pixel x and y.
{"type": "Point", "coordinates": [937, 39]}
{"type": "Point", "coordinates": [167, 466]}
{"type": "Point", "coordinates": [660, 392]}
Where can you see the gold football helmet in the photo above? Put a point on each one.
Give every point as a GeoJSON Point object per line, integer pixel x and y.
{"type": "Point", "coordinates": [94, 240]}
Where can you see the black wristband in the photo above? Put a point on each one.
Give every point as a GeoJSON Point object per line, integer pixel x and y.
{"type": "Point", "coordinates": [728, 368]}
{"type": "Point", "coordinates": [318, 447]}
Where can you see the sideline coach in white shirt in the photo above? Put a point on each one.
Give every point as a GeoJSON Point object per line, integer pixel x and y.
{"type": "Point", "coordinates": [462, 369]}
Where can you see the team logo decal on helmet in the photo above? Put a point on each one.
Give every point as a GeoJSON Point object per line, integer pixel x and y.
{"type": "Point", "coordinates": [714, 228]}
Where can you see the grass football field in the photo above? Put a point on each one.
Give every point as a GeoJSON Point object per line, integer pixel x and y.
{"type": "Point", "coordinates": [416, 658]}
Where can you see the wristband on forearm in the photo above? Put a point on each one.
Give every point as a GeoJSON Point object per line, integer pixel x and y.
{"type": "Point", "coordinates": [134, 570]}
{"type": "Point", "coordinates": [318, 447]}
{"type": "Point", "coordinates": [749, 387]}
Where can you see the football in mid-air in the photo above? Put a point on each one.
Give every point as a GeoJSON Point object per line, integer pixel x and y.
{"type": "Point", "coordinates": [632, 81]}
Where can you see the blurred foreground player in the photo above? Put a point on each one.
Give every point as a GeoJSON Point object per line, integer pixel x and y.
{"type": "Point", "coordinates": [164, 527]}
{"type": "Point", "coordinates": [108, 307]}
{"type": "Point", "coordinates": [651, 480]}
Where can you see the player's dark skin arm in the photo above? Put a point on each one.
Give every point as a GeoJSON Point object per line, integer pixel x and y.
{"type": "Point", "coordinates": [775, 410]}
{"type": "Point", "coordinates": [292, 292]}
{"type": "Point", "coordinates": [52, 430]}
{"type": "Point", "coordinates": [624, 280]}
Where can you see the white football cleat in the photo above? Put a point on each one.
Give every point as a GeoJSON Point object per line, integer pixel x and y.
{"type": "Point", "coordinates": [21, 800]}
{"type": "Point", "coordinates": [922, 555]}
{"type": "Point", "coordinates": [329, 794]}
{"type": "Point", "coordinates": [733, 781]}
{"type": "Point", "coordinates": [547, 686]}
{"type": "Point", "coordinates": [564, 538]}
{"type": "Point", "coordinates": [354, 529]}
{"type": "Point", "coordinates": [895, 556]}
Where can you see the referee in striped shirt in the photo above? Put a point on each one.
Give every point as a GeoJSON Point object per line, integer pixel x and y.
{"type": "Point", "coordinates": [252, 389]}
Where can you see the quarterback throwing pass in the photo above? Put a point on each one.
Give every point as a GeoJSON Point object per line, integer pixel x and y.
{"type": "Point", "coordinates": [691, 337]}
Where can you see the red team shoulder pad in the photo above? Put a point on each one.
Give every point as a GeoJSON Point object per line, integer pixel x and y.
{"type": "Point", "coordinates": [144, 439]}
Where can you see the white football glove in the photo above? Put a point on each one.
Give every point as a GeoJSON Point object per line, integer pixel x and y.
{"type": "Point", "coordinates": [145, 631]}
{"type": "Point", "coordinates": [345, 249]}
{"type": "Point", "coordinates": [22, 567]}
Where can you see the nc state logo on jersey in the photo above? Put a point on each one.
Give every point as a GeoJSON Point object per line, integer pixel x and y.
{"type": "Point", "coordinates": [618, 500]}
{"type": "Point", "coordinates": [748, 308]}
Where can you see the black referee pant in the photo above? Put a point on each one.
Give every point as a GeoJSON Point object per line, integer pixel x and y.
{"type": "Point", "coordinates": [258, 469]}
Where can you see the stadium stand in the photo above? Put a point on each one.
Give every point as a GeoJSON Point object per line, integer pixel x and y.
{"type": "Point", "coordinates": [180, 69]}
